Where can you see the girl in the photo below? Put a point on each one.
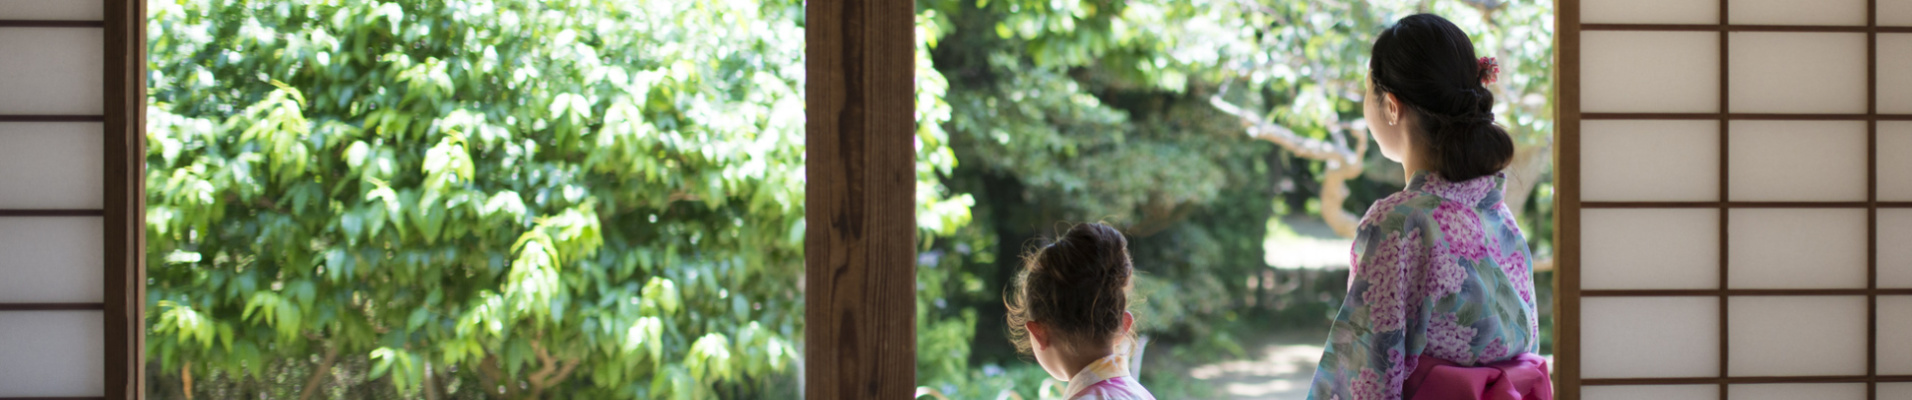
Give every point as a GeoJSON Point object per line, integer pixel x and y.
{"type": "Point", "coordinates": [1440, 302]}
{"type": "Point", "coordinates": [1070, 309]}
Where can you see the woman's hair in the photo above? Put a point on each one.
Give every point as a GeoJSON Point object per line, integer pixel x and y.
{"type": "Point", "coordinates": [1429, 64]}
{"type": "Point", "coordinates": [1077, 288]}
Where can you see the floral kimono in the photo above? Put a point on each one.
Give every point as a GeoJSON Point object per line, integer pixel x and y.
{"type": "Point", "coordinates": [1440, 270]}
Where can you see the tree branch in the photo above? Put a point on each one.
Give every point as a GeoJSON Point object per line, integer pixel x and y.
{"type": "Point", "coordinates": [186, 379]}
{"type": "Point", "coordinates": [1524, 173]}
{"type": "Point", "coordinates": [1157, 216]}
{"type": "Point", "coordinates": [1343, 163]}
{"type": "Point", "coordinates": [319, 373]}
{"type": "Point", "coordinates": [430, 383]}
{"type": "Point", "coordinates": [550, 366]}
{"type": "Point", "coordinates": [494, 378]}
{"type": "Point", "coordinates": [555, 370]}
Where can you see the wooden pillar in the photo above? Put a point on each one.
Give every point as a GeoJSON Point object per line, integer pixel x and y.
{"type": "Point", "coordinates": [125, 198]}
{"type": "Point", "coordinates": [859, 241]}
{"type": "Point", "coordinates": [1566, 362]}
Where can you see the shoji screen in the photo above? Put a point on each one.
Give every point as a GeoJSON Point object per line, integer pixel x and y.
{"type": "Point", "coordinates": [1736, 187]}
{"type": "Point", "coordinates": [68, 198]}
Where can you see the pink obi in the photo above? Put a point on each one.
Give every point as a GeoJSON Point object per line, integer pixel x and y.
{"type": "Point", "coordinates": [1522, 378]}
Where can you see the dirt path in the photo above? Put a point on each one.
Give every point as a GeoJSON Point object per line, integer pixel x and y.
{"type": "Point", "coordinates": [1279, 370]}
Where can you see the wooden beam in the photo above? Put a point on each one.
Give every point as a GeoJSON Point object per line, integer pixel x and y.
{"type": "Point", "coordinates": [125, 198]}
{"type": "Point", "coordinates": [1567, 200]}
{"type": "Point", "coordinates": [859, 241]}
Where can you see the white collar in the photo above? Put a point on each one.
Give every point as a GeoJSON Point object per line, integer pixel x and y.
{"type": "Point", "coordinates": [1101, 370]}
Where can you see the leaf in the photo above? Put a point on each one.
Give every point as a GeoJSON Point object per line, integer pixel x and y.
{"type": "Point", "coordinates": [647, 331]}
{"type": "Point", "coordinates": [505, 204]}
{"type": "Point", "coordinates": [354, 226]}
{"type": "Point", "coordinates": [709, 357]}
{"type": "Point", "coordinates": [248, 355]}
{"type": "Point", "coordinates": [417, 319]}
{"type": "Point", "coordinates": [226, 336]}
{"type": "Point", "coordinates": [287, 320]}
{"type": "Point", "coordinates": [303, 291]}
{"type": "Point", "coordinates": [392, 14]}
{"type": "Point", "coordinates": [336, 263]}
{"type": "Point", "coordinates": [374, 220]}
{"type": "Point", "coordinates": [663, 293]}
{"type": "Point", "coordinates": [264, 302]}
{"type": "Point", "coordinates": [382, 360]}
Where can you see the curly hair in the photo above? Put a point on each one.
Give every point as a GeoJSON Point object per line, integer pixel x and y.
{"type": "Point", "coordinates": [1077, 287]}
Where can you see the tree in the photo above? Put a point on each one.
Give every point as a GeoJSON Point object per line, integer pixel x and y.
{"type": "Point", "coordinates": [1317, 52]}
{"type": "Point", "coordinates": [1187, 124]}
{"type": "Point", "coordinates": [533, 199]}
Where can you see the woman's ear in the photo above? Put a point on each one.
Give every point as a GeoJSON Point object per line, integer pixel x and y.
{"type": "Point", "coordinates": [1392, 107]}
{"type": "Point", "coordinates": [1128, 321]}
{"type": "Point", "coordinates": [1038, 339]}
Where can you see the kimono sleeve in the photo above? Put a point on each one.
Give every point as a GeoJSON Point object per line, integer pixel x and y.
{"type": "Point", "coordinates": [1368, 355]}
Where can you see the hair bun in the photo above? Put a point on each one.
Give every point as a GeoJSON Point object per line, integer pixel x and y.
{"type": "Point", "coordinates": [1078, 286]}
{"type": "Point", "coordinates": [1091, 253]}
{"type": "Point", "coordinates": [1479, 102]}
{"type": "Point", "coordinates": [1429, 64]}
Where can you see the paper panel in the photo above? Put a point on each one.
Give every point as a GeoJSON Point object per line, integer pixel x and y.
{"type": "Point", "coordinates": [1796, 248]}
{"type": "Point", "coordinates": [1797, 160]}
{"type": "Point", "coordinates": [1796, 72]}
{"type": "Point", "coordinates": [1649, 337]}
{"type": "Point", "coordinates": [1669, 72]}
{"type": "Point", "coordinates": [1796, 336]}
{"type": "Point", "coordinates": [52, 71]}
{"type": "Point", "coordinates": [52, 354]}
{"type": "Point", "coordinates": [1649, 160]}
{"type": "Point", "coordinates": [1649, 248]}
{"type": "Point", "coordinates": [52, 165]}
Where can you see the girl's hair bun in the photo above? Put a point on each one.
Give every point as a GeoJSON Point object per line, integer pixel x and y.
{"type": "Point", "coordinates": [1077, 287]}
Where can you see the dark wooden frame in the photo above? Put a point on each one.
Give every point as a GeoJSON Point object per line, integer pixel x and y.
{"type": "Point", "coordinates": [1568, 217]}
{"type": "Point", "coordinates": [1567, 197]}
{"type": "Point", "coordinates": [123, 207]}
{"type": "Point", "coordinates": [860, 233]}
{"type": "Point", "coordinates": [125, 212]}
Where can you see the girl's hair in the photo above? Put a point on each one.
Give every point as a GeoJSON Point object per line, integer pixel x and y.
{"type": "Point", "coordinates": [1076, 287]}
{"type": "Point", "coordinates": [1429, 64]}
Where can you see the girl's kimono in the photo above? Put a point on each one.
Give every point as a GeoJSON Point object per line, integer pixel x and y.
{"type": "Point", "coordinates": [1440, 276]}
{"type": "Point", "coordinates": [1105, 379]}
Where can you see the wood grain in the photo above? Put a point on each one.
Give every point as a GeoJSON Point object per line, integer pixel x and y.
{"type": "Point", "coordinates": [860, 233]}
{"type": "Point", "coordinates": [125, 211]}
{"type": "Point", "coordinates": [1567, 208]}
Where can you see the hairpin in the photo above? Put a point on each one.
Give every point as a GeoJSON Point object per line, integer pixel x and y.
{"type": "Point", "coordinates": [1489, 71]}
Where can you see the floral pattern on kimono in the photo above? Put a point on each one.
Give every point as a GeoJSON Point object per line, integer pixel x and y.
{"type": "Point", "coordinates": [1439, 269]}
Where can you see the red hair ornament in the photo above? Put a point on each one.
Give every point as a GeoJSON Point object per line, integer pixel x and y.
{"type": "Point", "coordinates": [1489, 71]}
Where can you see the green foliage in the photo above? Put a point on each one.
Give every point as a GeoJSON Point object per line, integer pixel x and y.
{"type": "Point", "coordinates": [604, 198]}
{"type": "Point", "coordinates": [1098, 110]}
{"type": "Point", "coordinates": [565, 199]}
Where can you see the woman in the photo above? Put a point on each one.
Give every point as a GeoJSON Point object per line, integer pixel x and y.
{"type": "Point", "coordinates": [1440, 303]}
